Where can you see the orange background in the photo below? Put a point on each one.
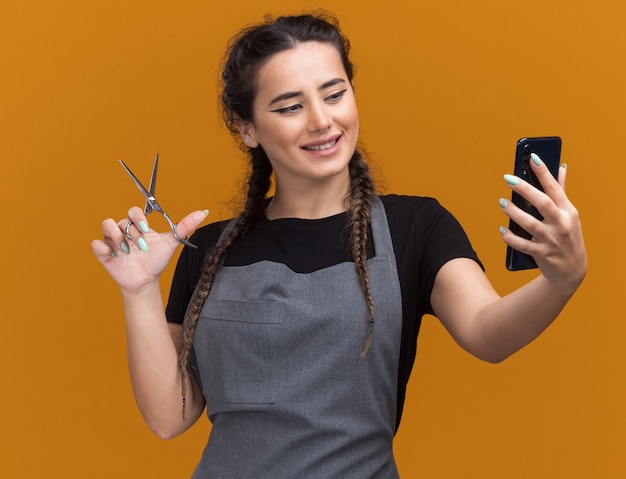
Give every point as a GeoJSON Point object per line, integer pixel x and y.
{"type": "Point", "coordinates": [445, 89]}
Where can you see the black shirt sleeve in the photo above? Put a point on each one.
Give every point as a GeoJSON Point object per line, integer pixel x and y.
{"type": "Point", "coordinates": [425, 236]}
{"type": "Point", "coordinates": [188, 269]}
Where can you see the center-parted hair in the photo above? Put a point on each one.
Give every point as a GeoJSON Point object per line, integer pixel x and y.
{"type": "Point", "coordinates": [247, 53]}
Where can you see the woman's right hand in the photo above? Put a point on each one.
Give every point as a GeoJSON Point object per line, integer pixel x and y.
{"type": "Point", "coordinates": [135, 264]}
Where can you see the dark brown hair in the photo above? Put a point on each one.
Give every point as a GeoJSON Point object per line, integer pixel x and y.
{"type": "Point", "coordinates": [247, 53]}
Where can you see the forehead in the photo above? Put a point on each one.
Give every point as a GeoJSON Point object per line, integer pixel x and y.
{"type": "Point", "coordinates": [307, 64]}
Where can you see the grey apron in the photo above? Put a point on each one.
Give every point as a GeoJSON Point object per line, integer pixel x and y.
{"type": "Point", "coordinates": [276, 355]}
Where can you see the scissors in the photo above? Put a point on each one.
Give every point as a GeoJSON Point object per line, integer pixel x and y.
{"type": "Point", "coordinates": [151, 202]}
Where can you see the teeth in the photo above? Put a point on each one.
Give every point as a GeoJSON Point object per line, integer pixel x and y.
{"type": "Point", "coordinates": [325, 146]}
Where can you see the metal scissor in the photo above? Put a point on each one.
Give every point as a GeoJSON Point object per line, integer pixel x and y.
{"type": "Point", "coordinates": [151, 202]}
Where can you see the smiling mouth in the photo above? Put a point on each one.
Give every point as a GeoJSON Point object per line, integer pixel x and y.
{"type": "Point", "coordinates": [323, 146]}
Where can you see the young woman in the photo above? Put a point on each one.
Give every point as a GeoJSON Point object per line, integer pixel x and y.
{"type": "Point", "coordinates": [295, 324]}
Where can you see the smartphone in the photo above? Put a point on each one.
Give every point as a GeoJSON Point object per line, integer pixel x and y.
{"type": "Point", "coordinates": [549, 150]}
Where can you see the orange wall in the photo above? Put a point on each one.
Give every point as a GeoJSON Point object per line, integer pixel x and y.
{"type": "Point", "coordinates": [445, 89]}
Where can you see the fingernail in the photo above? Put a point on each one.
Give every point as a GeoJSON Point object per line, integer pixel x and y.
{"type": "Point", "coordinates": [114, 254]}
{"type": "Point", "coordinates": [511, 180]}
{"type": "Point", "coordinates": [564, 166]}
{"type": "Point", "coordinates": [143, 246]}
{"type": "Point", "coordinates": [143, 226]}
{"type": "Point", "coordinates": [536, 160]}
{"type": "Point", "coordinates": [206, 212]}
{"type": "Point", "coordinates": [502, 230]}
{"type": "Point", "coordinates": [503, 202]}
{"type": "Point", "coordinates": [125, 247]}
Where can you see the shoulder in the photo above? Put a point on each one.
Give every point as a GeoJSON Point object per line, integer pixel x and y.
{"type": "Point", "coordinates": [209, 234]}
{"type": "Point", "coordinates": [423, 226]}
{"type": "Point", "coordinates": [402, 206]}
{"type": "Point", "coordinates": [204, 238]}
{"type": "Point", "coordinates": [395, 201]}
{"type": "Point", "coordinates": [406, 212]}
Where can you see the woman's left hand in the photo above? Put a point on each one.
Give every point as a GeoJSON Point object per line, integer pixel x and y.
{"type": "Point", "coordinates": [557, 244]}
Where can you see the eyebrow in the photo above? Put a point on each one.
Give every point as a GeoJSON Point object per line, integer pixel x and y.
{"type": "Point", "coordinates": [293, 94]}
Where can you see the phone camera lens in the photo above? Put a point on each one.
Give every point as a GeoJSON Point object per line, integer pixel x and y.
{"type": "Point", "coordinates": [526, 164]}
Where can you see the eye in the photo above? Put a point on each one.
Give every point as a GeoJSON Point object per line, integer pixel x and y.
{"type": "Point", "coordinates": [288, 109]}
{"type": "Point", "coordinates": [335, 97]}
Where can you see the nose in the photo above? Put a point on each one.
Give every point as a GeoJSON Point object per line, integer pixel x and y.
{"type": "Point", "coordinates": [320, 118]}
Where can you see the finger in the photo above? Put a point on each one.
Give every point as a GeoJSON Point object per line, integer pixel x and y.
{"type": "Point", "coordinates": [189, 223]}
{"type": "Point", "coordinates": [544, 203]}
{"type": "Point", "coordinates": [133, 229]}
{"type": "Point", "coordinates": [113, 241]}
{"type": "Point", "coordinates": [132, 235]}
{"type": "Point", "coordinates": [523, 219]}
{"type": "Point", "coordinates": [562, 175]}
{"type": "Point", "coordinates": [112, 232]}
{"type": "Point", "coordinates": [114, 236]}
{"type": "Point", "coordinates": [128, 229]}
{"type": "Point", "coordinates": [518, 243]}
{"type": "Point", "coordinates": [101, 250]}
{"type": "Point", "coordinates": [551, 186]}
{"type": "Point", "coordinates": [136, 215]}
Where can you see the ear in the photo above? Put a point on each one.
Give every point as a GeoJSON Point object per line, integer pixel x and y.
{"type": "Point", "coordinates": [248, 133]}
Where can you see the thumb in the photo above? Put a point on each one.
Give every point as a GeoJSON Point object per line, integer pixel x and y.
{"type": "Point", "coordinates": [190, 222]}
{"type": "Point", "coordinates": [562, 174]}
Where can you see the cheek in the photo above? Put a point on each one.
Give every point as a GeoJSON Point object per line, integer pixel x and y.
{"type": "Point", "coordinates": [278, 138]}
{"type": "Point", "coordinates": [351, 115]}
{"type": "Point", "coordinates": [352, 121]}
{"type": "Point", "coordinates": [356, 120]}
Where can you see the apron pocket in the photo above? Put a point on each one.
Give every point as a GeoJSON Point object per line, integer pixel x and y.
{"type": "Point", "coordinates": [238, 349]}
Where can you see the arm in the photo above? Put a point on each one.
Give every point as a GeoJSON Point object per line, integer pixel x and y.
{"type": "Point", "coordinates": [152, 343]}
{"type": "Point", "coordinates": [493, 327]}
{"type": "Point", "coordinates": [489, 326]}
{"type": "Point", "coordinates": [153, 347]}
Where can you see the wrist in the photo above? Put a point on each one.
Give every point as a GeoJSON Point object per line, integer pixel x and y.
{"type": "Point", "coordinates": [145, 291]}
{"type": "Point", "coordinates": [567, 286]}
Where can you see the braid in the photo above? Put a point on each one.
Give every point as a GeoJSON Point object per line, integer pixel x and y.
{"type": "Point", "coordinates": [258, 186]}
{"type": "Point", "coordinates": [361, 195]}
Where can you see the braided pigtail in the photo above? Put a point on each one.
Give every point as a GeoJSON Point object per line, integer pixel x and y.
{"type": "Point", "coordinates": [361, 196]}
{"type": "Point", "coordinates": [247, 53]}
{"type": "Point", "coordinates": [258, 186]}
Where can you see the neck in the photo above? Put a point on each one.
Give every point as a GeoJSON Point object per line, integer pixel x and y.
{"type": "Point", "coordinates": [309, 201]}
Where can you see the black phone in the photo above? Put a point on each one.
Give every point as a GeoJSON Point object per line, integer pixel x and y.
{"type": "Point", "coordinates": [549, 150]}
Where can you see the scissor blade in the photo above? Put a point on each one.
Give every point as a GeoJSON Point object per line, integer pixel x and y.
{"type": "Point", "coordinates": [137, 182]}
{"type": "Point", "coordinates": [153, 178]}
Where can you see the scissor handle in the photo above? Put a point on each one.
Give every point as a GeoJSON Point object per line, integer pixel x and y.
{"type": "Point", "coordinates": [184, 240]}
